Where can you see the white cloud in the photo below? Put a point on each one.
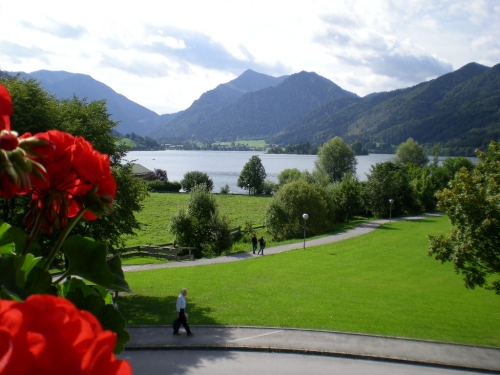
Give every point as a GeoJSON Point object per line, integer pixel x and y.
{"type": "Point", "coordinates": [164, 55]}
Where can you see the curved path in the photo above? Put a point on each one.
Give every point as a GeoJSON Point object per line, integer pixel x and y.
{"type": "Point", "coordinates": [338, 344]}
{"type": "Point", "coordinates": [358, 231]}
{"type": "Point", "coordinates": [316, 342]}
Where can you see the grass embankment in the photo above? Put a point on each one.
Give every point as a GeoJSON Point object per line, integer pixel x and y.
{"type": "Point", "coordinates": [380, 283]}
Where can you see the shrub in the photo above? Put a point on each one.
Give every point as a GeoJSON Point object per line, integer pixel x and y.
{"type": "Point", "coordinates": [225, 189]}
{"type": "Point", "coordinates": [200, 225]}
{"type": "Point", "coordinates": [191, 179]}
{"type": "Point", "coordinates": [160, 186]}
{"type": "Point", "coordinates": [284, 213]}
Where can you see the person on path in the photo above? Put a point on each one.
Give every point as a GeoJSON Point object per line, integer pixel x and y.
{"type": "Point", "coordinates": [181, 315]}
{"type": "Point", "coordinates": [262, 243]}
{"type": "Point", "coordinates": [254, 242]}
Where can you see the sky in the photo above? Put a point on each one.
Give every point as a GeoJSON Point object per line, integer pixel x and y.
{"type": "Point", "coordinates": [164, 54]}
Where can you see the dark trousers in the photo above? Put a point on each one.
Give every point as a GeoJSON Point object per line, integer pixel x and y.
{"type": "Point", "coordinates": [183, 322]}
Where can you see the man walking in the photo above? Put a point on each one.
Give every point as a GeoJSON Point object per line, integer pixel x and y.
{"type": "Point", "coordinates": [254, 242]}
{"type": "Point", "coordinates": [181, 315]}
{"type": "Point", "coordinates": [262, 243]}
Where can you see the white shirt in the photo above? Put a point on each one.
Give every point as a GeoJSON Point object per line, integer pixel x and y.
{"type": "Point", "coordinates": [181, 302]}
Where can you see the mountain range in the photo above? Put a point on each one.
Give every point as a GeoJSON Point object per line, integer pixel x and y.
{"type": "Point", "coordinates": [460, 110]}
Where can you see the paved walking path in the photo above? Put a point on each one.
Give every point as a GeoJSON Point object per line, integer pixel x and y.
{"type": "Point", "coordinates": [311, 341]}
{"type": "Point", "coordinates": [301, 341]}
{"type": "Point", "coordinates": [358, 231]}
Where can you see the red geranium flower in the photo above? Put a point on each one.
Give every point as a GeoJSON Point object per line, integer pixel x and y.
{"type": "Point", "coordinates": [74, 170]}
{"type": "Point", "coordinates": [5, 108]}
{"type": "Point", "coordinates": [49, 335]}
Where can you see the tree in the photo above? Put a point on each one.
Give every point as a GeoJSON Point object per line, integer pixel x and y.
{"type": "Point", "coordinates": [293, 174]}
{"type": "Point", "coordinates": [191, 179]}
{"type": "Point", "coordinates": [252, 176]}
{"type": "Point", "coordinates": [346, 196]}
{"type": "Point", "coordinates": [335, 159]}
{"type": "Point", "coordinates": [200, 225]}
{"type": "Point", "coordinates": [472, 202]}
{"type": "Point", "coordinates": [411, 152]}
{"type": "Point", "coordinates": [388, 181]}
{"type": "Point", "coordinates": [284, 213]}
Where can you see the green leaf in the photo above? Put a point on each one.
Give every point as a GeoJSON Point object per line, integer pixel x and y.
{"type": "Point", "coordinates": [87, 298]}
{"type": "Point", "coordinates": [14, 240]}
{"type": "Point", "coordinates": [23, 275]}
{"type": "Point", "coordinates": [74, 283]}
{"type": "Point", "coordinates": [7, 245]}
{"type": "Point", "coordinates": [87, 259]}
{"type": "Point", "coordinates": [115, 266]}
{"type": "Point", "coordinates": [7, 295]}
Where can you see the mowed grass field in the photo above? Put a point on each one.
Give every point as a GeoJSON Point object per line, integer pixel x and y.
{"type": "Point", "coordinates": [381, 283]}
{"type": "Point", "coordinates": [158, 209]}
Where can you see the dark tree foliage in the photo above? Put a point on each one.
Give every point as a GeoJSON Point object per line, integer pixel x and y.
{"type": "Point", "coordinates": [346, 197]}
{"type": "Point", "coordinates": [388, 181]}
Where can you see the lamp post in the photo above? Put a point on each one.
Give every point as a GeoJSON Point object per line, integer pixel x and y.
{"type": "Point", "coordinates": [305, 217]}
{"type": "Point", "coordinates": [248, 185]}
{"type": "Point", "coordinates": [391, 201]}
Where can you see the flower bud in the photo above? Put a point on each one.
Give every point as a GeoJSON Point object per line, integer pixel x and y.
{"type": "Point", "coordinates": [8, 140]}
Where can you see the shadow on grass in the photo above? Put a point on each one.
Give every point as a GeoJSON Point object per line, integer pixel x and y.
{"type": "Point", "coordinates": [148, 310]}
{"type": "Point", "coordinates": [159, 313]}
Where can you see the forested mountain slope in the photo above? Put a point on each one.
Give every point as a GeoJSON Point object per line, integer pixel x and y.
{"type": "Point", "coordinates": [460, 110]}
{"type": "Point", "coordinates": [262, 113]}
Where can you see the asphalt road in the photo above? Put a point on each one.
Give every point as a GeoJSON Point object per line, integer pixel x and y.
{"type": "Point", "coordinates": [201, 362]}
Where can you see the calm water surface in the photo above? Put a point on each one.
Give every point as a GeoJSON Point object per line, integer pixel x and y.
{"type": "Point", "coordinates": [224, 167]}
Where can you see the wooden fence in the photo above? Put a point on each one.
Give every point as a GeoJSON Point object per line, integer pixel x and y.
{"type": "Point", "coordinates": [159, 251]}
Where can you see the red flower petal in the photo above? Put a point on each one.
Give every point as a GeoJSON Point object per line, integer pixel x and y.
{"type": "Point", "coordinates": [5, 108]}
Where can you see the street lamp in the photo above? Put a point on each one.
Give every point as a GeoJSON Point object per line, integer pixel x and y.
{"type": "Point", "coordinates": [248, 185]}
{"type": "Point", "coordinates": [305, 217]}
{"type": "Point", "coordinates": [391, 201]}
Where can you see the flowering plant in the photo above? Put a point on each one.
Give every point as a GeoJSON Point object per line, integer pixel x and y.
{"type": "Point", "coordinates": [58, 324]}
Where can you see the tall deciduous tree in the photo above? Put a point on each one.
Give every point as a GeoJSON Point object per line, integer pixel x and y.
{"type": "Point", "coordinates": [335, 159]}
{"type": "Point", "coordinates": [411, 152]}
{"type": "Point", "coordinates": [252, 176]}
{"type": "Point", "coordinates": [472, 202]}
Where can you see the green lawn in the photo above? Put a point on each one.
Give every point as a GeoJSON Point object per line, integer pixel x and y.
{"type": "Point", "coordinates": [380, 283]}
{"type": "Point", "coordinates": [158, 208]}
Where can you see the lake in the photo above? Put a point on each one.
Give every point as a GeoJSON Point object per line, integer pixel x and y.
{"type": "Point", "coordinates": [224, 167]}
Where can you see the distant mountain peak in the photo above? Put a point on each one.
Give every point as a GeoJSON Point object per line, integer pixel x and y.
{"type": "Point", "coordinates": [250, 80]}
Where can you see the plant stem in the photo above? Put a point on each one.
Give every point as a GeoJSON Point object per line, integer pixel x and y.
{"type": "Point", "coordinates": [33, 233]}
{"type": "Point", "coordinates": [71, 224]}
{"type": "Point", "coordinates": [65, 274]}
